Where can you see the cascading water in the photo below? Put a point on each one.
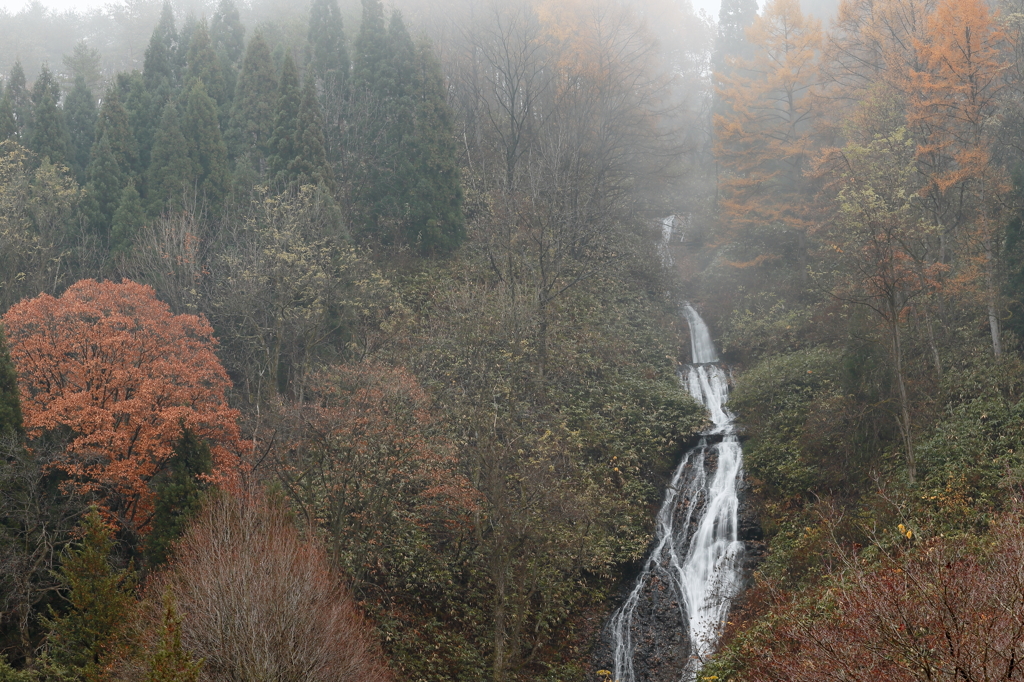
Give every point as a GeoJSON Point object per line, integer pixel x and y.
{"type": "Point", "coordinates": [694, 569]}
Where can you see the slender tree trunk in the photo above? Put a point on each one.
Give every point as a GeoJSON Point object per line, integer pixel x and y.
{"type": "Point", "coordinates": [499, 624]}
{"type": "Point", "coordinates": [993, 298]}
{"type": "Point", "coordinates": [904, 419]}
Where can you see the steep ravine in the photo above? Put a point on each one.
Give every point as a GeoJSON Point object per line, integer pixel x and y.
{"type": "Point", "coordinates": [671, 617]}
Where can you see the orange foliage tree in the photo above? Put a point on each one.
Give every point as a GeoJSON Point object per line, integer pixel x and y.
{"type": "Point", "coordinates": [956, 97]}
{"type": "Point", "coordinates": [764, 131]}
{"type": "Point", "coordinates": [113, 368]}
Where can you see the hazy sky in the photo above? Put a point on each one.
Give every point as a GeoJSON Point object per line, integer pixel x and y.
{"type": "Point", "coordinates": [13, 6]}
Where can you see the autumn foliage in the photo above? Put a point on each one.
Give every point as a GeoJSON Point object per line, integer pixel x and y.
{"type": "Point", "coordinates": [943, 611]}
{"type": "Point", "coordinates": [111, 367]}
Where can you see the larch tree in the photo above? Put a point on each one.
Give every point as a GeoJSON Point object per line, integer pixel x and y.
{"type": "Point", "coordinates": [954, 109]}
{"type": "Point", "coordinates": [763, 133]}
{"type": "Point", "coordinates": [109, 364]}
{"type": "Point", "coordinates": [85, 62]}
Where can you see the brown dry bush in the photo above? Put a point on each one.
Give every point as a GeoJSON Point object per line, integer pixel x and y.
{"type": "Point", "coordinates": [259, 602]}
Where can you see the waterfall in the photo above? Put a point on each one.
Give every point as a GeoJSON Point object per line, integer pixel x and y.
{"type": "Point", "coordinates": [693, 570]}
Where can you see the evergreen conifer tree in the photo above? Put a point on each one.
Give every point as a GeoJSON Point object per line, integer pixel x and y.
{"type": "Point", "coordinates": [203, 64]}
{"type": "Point", "coordinates": [103, 191]}
{"type": "Point", "coordinates": [172, 172]}
{"type": "Point", "coordinates": [45, 84]}
{"type": "Point", "coordinates": [138, 103]}
{"type": "Point", "coordinates": [329, 64]}
{"type": "Point", "coordinates": [114, 124]}
{"type": "Point", "coordinates": [371, 49]}
{"type": "Point", "coordinates": [206, 147]}
{"type": "Point", "coordinates": [80, 115]}
{"type": "Point", "coordinates": [8, 126]}
{"type": "Point", "coordinates": [188, 29]}
{"type": "Point", "coordinates": [84, 62]}
{"type": "Point", "coordinates": [179, 494]}
{"type": "Point", "coordinates": [227, 31]}
{"type": "Point", "coordinates": [10, 399]}
{"type": "Point", "coordinates": [158, 69]}
{"type": "Point", "coordinates": [170, 662]}
{"type": "Point", "coordinates": [282, 141]}
{"type": "Point", "coordinates": [253, 110]}
{"type": "Point", "coordinates": [49, 132]}
{"type": "Point", "coordinates": [309, 165]}
{"type": "Point", "coordinates": [436, 221]}
{"type": "Point", "coordinates": [93, 632]}
{"type": "Point", "coordinates": [127, 220]}
{"type": "Point", "coordinates": [21, 104]}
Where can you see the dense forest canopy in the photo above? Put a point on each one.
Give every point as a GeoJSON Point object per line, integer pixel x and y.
{"type": "Point", "coordinates": [370, 299]}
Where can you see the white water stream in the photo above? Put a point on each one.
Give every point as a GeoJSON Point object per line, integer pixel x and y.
{"type": "Point", "coordinates": [696, 552]}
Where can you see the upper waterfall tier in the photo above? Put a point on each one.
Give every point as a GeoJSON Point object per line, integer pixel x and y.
{"type": "Point", "coordinates": [701, 347]}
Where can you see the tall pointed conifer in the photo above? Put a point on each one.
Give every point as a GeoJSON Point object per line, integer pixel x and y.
{"type": "Point", "coordinates": [329, 64]}
{"type": "Point", "coordinates": [10, 399]}
{"type": "Point", "coordinates": [21, 103]}
{"type": "Point", "coordinates": [289, 100]}
{"type": "Point", "coordinates": [206, 147]}
{"type": "Point", "coordinates": [309, 165]}
{"type": "Point", "coordinates": [103, 191]}
{"type": "Point", "coordinates": [8, 126]}
{"type": "Point", "coordinates": [127, 220]}
{"type": "Point", "coordinates": [80, 115]}
{"type": "Point", "coordinates": [436, 222]}
{"type": "Point", "coordinates": [227, 31]}
{"type": "Point", "coordinates": [49, 132]}
{"type": "Point", "coordinates": [158, 70]}
{"type": "Point", "coordinates": [114, 124]}
{"type": "Point", "coordinates": [254, 108]}
{"type": "Point", "coordinates": [203, 64]}
{"type": "Point", "coordinates": [172, 171]}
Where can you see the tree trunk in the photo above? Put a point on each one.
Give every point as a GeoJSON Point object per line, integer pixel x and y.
{"type": "Point", "coordinates": [904, 419]}
{"type": "Point", "coordinates": [993, 299]}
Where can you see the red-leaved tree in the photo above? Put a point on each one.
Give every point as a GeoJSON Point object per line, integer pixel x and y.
{"type": "Point", "coordinates": [123, 377]}
{"type": "Point", "coordinates": [944, 611]}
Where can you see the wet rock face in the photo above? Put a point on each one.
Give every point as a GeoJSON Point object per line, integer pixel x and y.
{"type": "Point", "coordinates": [661, 635]}
{"type": "Point", "coordinates": [660, 629]}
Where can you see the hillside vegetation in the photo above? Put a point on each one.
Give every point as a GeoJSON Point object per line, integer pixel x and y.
{"type": "Point", "coordinates": [345, 347]}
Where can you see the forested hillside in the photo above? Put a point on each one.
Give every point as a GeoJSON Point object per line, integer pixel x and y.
{"type": "Point", "coordinates": [867, 277]}
{"type": "Point", "coordinates": [338, 341]}
{"type": "Point", "coordinates": [336, 351]}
